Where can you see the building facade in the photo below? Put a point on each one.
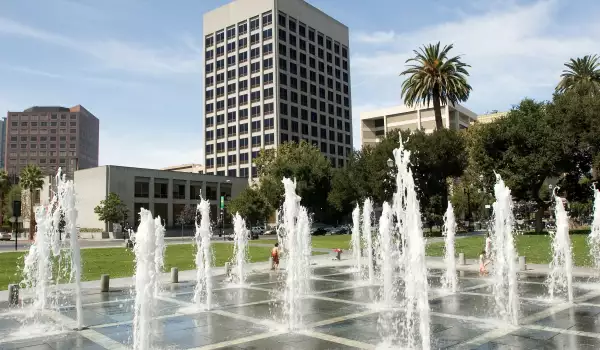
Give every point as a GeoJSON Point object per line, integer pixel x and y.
{"type": "Point", "coordinates": [163, 192]}
{"type": "Point", "coordinates": [186, 168]}
{"type": "Point", "coordinates": [490, 117]}
{"type": "Point", "coordinates": [376, 124]}
{"type": "Point", "coordinates": [2, 141]}
{"type": "Point", "coordinates": [51, 137]}
{"type": "Point", "coordinates": [275, 71]}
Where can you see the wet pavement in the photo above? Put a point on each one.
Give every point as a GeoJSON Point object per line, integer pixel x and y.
{"type": "Point", "coordinates": [338, 314]}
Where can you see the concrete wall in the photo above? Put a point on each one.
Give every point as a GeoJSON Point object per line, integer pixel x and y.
{"type": "Point", "coordinates": [313, 17]}
{"type": "Point", "coordinates": [90, 188]}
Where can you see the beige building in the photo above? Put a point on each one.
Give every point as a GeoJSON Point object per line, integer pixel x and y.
{"type": "Point", "coordinates": [490, 117]}
{"type": "Point", "coordinates": [51, 137]}
{"type": "Point", "coordinates": [163, 192]}
{"type": "Point", "coordinates": [376, 124]}
{"type": "Point", "coordinates": [186, 168]}
{"type": "Point", "coordinates": [275, 71]}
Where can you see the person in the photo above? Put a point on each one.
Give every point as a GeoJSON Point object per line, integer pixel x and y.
{"type": "Point", "coordinates": [488, 246]}
{"type": "Point", "coordinates": [275, 257]}
{"type": "Point", "coordinates": [483, 262]}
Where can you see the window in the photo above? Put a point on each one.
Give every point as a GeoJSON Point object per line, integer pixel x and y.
{"type": "Point", "coordinates": [254, 23]}
{"type": "Point", "coordinates": [209, 94]}
{"type": "Point", "coordinates": [254, 53]}
{"type": "Point", "coordinates": [208, 41]}
{"type": "Point", "coordinates": [282, 35]}
{"type": "Point", "coordinates": [230, 33]}
{"type": "Point", "coordinates": [256, 141]}
{"type": "Point", "coordinates": [220, 147]}
{"type": "Point", "coordinates": [255, 82]}
{"type": "Point", "coordinates": [269, 109]}
{"type": "Point", "coordinates": [220, 161]}
{"type": "Point", "coordinates": [142, 189]}
{"type": "Point", "coordinates": [209, 69]}
{"type": "Point", "coordinates": [269, 123]}
{"type": "Point", "coordinates": [282, 49]}
{"type": "Point", "coordinates": [254, 67]}
{"type": "Point", "coordinates": [243, 114]}
{"type": "Point", "coordinates": [255, 111]}
{"type": "Point", "coordinates": [210, 121]}
{"type": "Point", "coordinates": [242, 72]}
{"type": "Point", "coordinates": [209, 55]}
{"type": "Point", "coordinates": [254, 39]}
{"type": "Point", "coordinates": [282, 63]}
{"type": "Point", "coordinates": [267, 18]}
{"type": "Point", "coordinates": [268, 63]}
{"type": "Point", "coordinates": [269, 139]}
{"type": "Point", "coordinates": [230, 61]}
{"type": "Point", "coordinates": [267, 34]}
{"type": "Point", "coordinates": [220, 51]}
{"type": "Point", "coordinates": [243, 130]}
{"type": "Point", "coordinates": [243, 100]}
{"type": "Point", "coordinates": [268, 78]}
{"type": "Point", "coordinates": [209, 149]}
{"type": "Point", "coordinates": [255, 96]}
{"type": "Point", "coordinates": [242, 28]}
{"type": "Point", "coordinates": [242, 43]}
{"type": "Point", "coordinates": [210, 163]}
{"type": "Point", "coordinates": [283, 123]}
{"type": "Point", "coordinates": [256, 126]}
{"type": "Point", "coordinates": [243, 145]}
{"type": "Point", "coordinates": [281, 19]}
{"type": "Point", "coordinates": [268, 94]}
{"type": "Point", "coordinates": [231, 145]}
{"type": "Point", "coordinates": [231, 159]}
{"type": "Point", "coordinates": [231, 117]}
{"type": "Point", "coordinates": [267, 49]}
{"type": "Point", "coordinates": [231, 102]}
{"type": "Point", "coordinates": [244, 171]}
{"type": "Point", "coordinates": [232, 172]}
{"type": "Point", "coordinates": [292, 25]}
{"type": "Point", "coordinates": [244, 156]}
{"type": "Point", "coordinates": [220, 133]}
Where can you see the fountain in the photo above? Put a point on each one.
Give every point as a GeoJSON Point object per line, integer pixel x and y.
{"type": "Point", "coordinates": [53, 219]}
{"type": "Point", "coordinates": [368, 237]}
{"type": "Point", "coordinates": [561, 267]}
{"type": "Point", "coordinates": [416, 299]}
{"type": "Point", "coordinates": [504, 255]}
{"type": "Point", "coordinates": [296, 243]}
{"type": "Point", "coordinates": [145, 280]}
{"type": "Point", "coordinates": [594, 237]}
{"type": "Point", "coordinates": [203, 290]}
{"type": "Point", "coordinates": [159, 256]}
{"type": "Point", "coordinates": [240, 249]}
{"type": "Point", "coordinates": [449, 280]}
{"type": "Point", "coordinates": [355, 241]}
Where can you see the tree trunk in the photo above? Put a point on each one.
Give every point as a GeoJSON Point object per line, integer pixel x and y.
{"type": "Point", "coordinates": [539, 215]}
{"type": "Point", "coordinates": [437, 109]}
{"type": "Point", "coordinates": [31, 216]}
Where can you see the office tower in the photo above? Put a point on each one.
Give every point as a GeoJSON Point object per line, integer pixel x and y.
{"type": "Point", "coordinates": [275, 71]}
{"type": "Point", "coordinates": [2, 141]}
{"type": "Point", "coordinates": [51, 137]}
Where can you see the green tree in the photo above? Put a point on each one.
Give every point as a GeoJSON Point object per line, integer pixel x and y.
{"type": "Point", "coordinates": [251, 205]}
{"type": "Point", "coordinates": [31, 179]}
{"type": "Point", "coordinates": [304, 163]}
{"type": "Point", "coordinates": [435, 77]}
{"type": "Point", "coordinates": [524, 148]}
{"type": "Point", "coordinates": [112, 209]}
{"type": "Point", "coordinates": [14, 193]}
{"type": "Point", "coordinates": [582, 75]}
{"type": "Point", "coordinates": [4, 188]}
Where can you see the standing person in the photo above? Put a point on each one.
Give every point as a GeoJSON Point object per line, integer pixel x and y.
{"type": "Point", "coordinates": [488, 245]}
{"type": "Point", "coordinates": [483, 263]}
{"type": "Point", "coordinates": [275, 257]}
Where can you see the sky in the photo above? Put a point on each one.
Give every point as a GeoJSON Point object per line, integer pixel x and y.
{"type": "Point", "coordinates": [137, 64]}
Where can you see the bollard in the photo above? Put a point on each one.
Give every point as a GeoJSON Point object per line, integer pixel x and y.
{"type": "Point", "coordinates": [174, 275]}
{"type": "Point", "coordinates": [104, 283]}
{"type": "Point", "coordinates": [522, 263]}
{"type": "Point", "coordinates": [461, 258]}
{"type": "Point", "coordinates": [271, 263]}
{"type": "Point", "coordinates": [13, 294]}
{"type": "Point", "coordinates": [228, 269]}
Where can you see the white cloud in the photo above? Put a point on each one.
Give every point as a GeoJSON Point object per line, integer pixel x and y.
{"type": "Point", "coordinates": [152, 149]}
{"type": "Point", "coordinates": [514, 52]}
{"type": "Point", "coordinates": [116, 54]}
{"type": "Point", "coordinates": [375, 37]}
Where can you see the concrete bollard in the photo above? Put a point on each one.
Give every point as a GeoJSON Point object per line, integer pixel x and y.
{"type": "Point", "coordinates": [522, 263]}
{"type": "Point", "coordinates": [104, 283]}
{"type": "Point", "coordinates": [174, 275]}
{"type": "Point", "coordinates": [461, 259]}
{"type": "Point", "coordinates": [228, 269]}
{"type": "Point", "coordinates": [13, 294]}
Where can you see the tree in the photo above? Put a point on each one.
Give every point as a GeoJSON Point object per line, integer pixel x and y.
{"type": "Point", "coordinates": [187, 215]}
{"type": "Point", "coordinates": [524, 148]}
{"type": "Point", "coordinates": [582, 75]}
{"type": "Point", "coordinates": [4, 187]}
{"type": "Point", "coordinates": [251, 205]}
{"type": "Point", "coordinates": [112, 209]}
{"type": "Point", "coordinates": [31, 180]}
{"type": "Point", "coordinates": [435, 77]}
{"type": "Point", "coordinates": [304, 163]}
{"type": "Point", "coordinates": [14, 193]}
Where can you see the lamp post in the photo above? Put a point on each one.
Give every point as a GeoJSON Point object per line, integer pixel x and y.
{"type": "Point", "coordinates": [469, 213]}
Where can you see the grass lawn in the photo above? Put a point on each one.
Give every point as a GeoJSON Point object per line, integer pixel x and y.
{"type": "Point", "coordinates": [118, 262]}
{"type": "Point", "coordinates": [333, 241]}
{"type": "Point", "coordinates": [536, 248]}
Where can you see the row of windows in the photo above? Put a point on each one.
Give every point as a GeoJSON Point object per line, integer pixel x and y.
{"type": "Point", "coordinates": [241, 58]}
{"type": "Point", "coordinates": [41, 145]}
{"type": "Point", "coordinates": [232, 102]}
{"type": "Point", "coordinates": [254, 141]}
{"type": "Point", "coordinates": [53, 116]}
{"type": "Point", "coordinates": [242, 43]}
{"type": "Point", "coordinates": [231, 118]}
{"type": "Point", "coordinates": [241, 29]}
{"type": "Point", "coordinates": [301, 70]}
{"type": "Point", "coordinates": [35, 124]}
{"type": "Point", "coordinates": [310, 49]}
{"type": "Point", "coordinates": [42, 138]}
{"type": "Point", "coordinates": [311, 34]}
{"type": "Point", "coordinates": [323, 122]}
{"type": "Point", "coordinates": [43, 131]}
{"type": "Point", "coordinates": [243, 71]}
{"type": "Point", "coordinates": [39, 161]}
{"type": "Point", "coordinates": [243, 129]}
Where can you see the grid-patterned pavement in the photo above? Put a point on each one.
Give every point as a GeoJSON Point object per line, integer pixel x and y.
{"type": "Point", "coordinates": [339, 314]}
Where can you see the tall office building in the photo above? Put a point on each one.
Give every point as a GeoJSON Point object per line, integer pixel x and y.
{"type": "Point", "coordinates": [2, 141]}
{"type": "Point", "coordinates": [51, 137]}
{"type": "Point", "coordinates": [275, 71]}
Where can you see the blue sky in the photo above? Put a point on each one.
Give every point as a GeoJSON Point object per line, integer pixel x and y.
{"type": "Point", "coordinates": [137, 64]}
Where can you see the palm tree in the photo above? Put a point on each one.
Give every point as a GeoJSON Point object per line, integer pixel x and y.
{"type": "Point", "coordinates": [4, 187]}
{"type": "Point", "coordinates": [434, 77]}
{"type": "Point", "coordinates": [582, 74]}
{"type": "Point", "coordinates": [31, 180]}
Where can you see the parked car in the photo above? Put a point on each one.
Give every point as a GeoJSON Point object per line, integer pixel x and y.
{"type": "Point", "coordinates": [5, 236]}
{"type": "Point", "coordinates": [340, 230]}
{"type": "Point", "coordinates": [259, 230]}
{"type": "Point", "coordinates": [319, 229]}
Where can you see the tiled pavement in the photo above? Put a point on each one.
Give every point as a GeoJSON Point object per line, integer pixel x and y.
{"type": "Point", "coordinates": [339, 314]}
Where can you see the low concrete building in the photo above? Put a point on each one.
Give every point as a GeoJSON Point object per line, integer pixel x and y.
{"type": "Point", "coordinates": [490, 117]}
{"type": "Point", "coordinates": [163, 192]}
{"type": "Point", "coordinates": [186, 168]}
{"type": "Point", "coordinates": [374, 125]}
